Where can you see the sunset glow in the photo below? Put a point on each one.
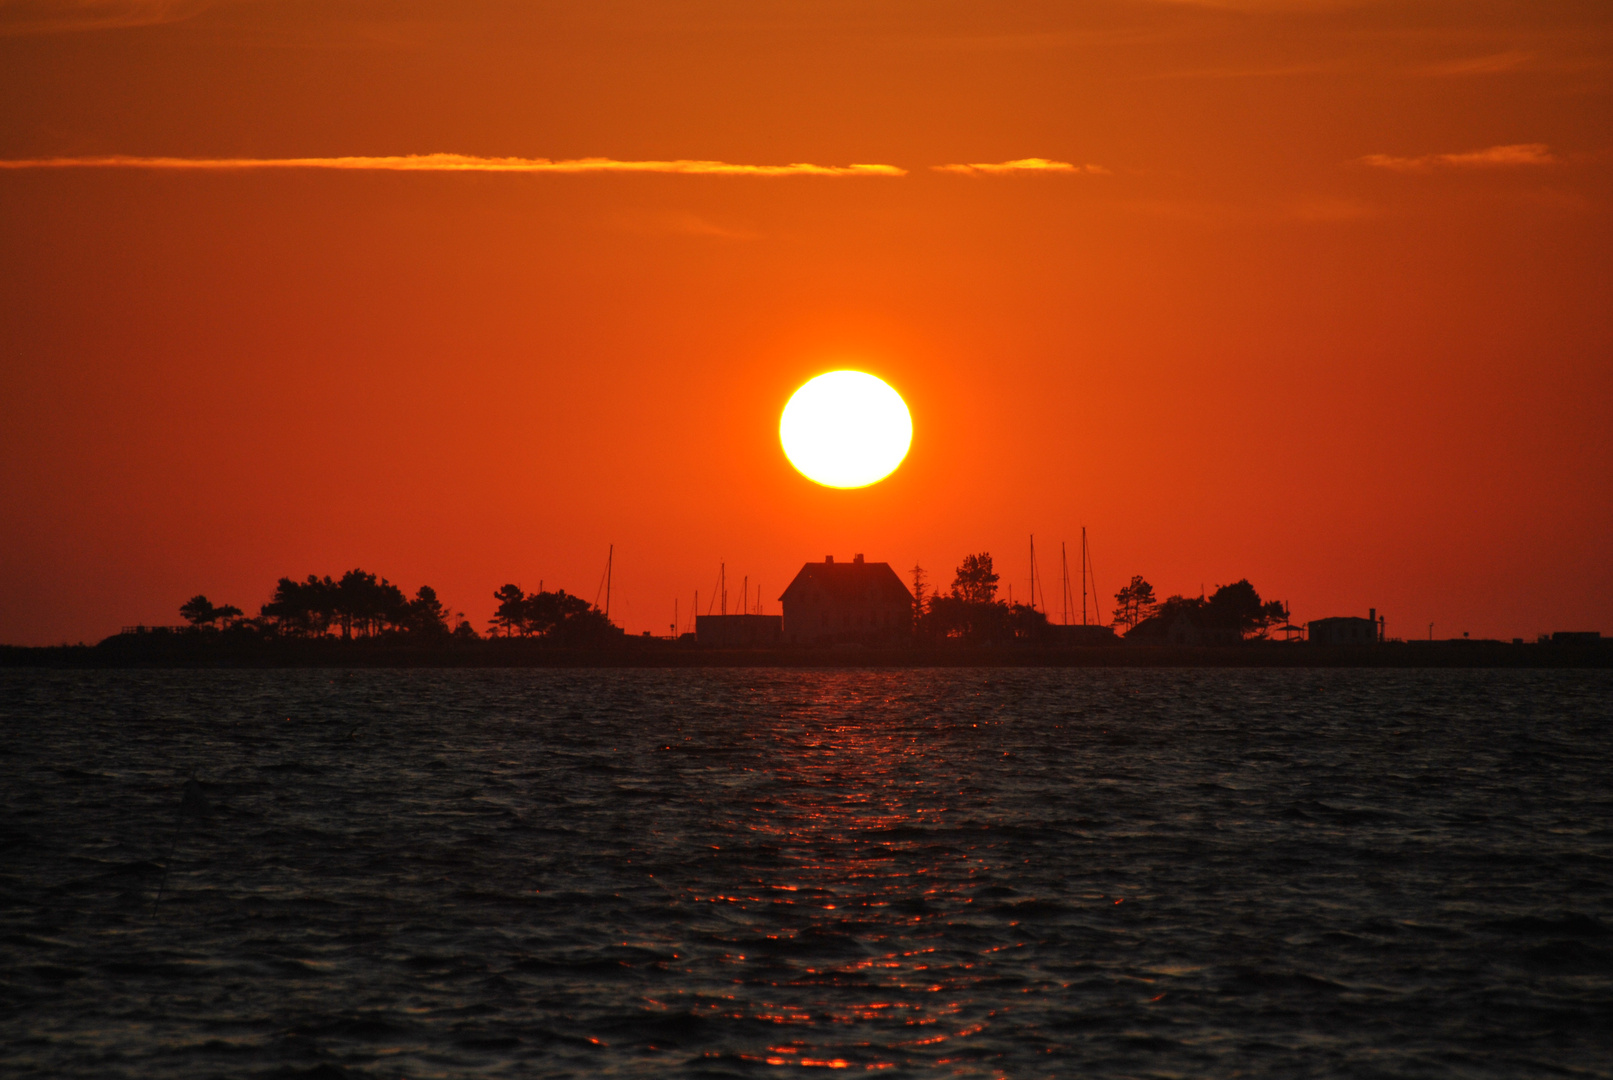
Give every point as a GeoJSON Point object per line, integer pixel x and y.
{"type": "Point", "coordinates": [846, 429]}
{"type": "Point", "coordinates": [467, 293]}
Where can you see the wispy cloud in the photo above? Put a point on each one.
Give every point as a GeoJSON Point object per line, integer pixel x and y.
{"type": "Point", "coordinates": [1022, 165]}
{"type": "Point", "coordinates": [1493, 64]}
{"type": "Point", "coordinates": [19, 17]}
{"type": "Point", "coordinates": [1496, 157]}
{"type": "Point", "coordinates": [455, 163]}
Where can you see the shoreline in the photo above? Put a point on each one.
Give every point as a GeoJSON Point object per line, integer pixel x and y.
{"type": "Point", "coordinates": [219, 651]}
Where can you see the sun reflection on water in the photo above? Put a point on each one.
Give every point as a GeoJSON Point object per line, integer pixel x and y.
{"type": "Point", "coordinates": [852, 933]}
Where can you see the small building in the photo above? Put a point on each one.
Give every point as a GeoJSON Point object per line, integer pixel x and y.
{"type": "Point", "coordinates": [843, 603]}
{"type": "Point", "coordinates": [1181, 628]}
{"type": "Point", "coordinates": [738, 631]}
{"type": "Point", "coordinates": [1346, 630]}
{"type": "Point", "coordinates": [1576, 637]}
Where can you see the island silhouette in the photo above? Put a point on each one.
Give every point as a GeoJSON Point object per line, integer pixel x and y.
{"type": "Point", "coordinates": [364, 619]}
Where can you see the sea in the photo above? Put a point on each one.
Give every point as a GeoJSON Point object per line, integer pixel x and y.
{"type": "Point", "coordinates": [774, 873]}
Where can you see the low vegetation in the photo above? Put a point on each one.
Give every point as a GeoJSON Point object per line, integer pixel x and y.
{"type": "Point", "coordinates": [360, 604]}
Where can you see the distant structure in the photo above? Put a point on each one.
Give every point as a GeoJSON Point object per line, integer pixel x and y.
{"type": "Point", "coordinates": [1576, 637]}
{"type": "Point", "coordinates": [1346, 630]}
{"type": "Point", "coordinates": [1181, 628]}
{"type": "Point", "coordinates": [859, 602]}
{"type": "Point", "coordinates": [1077, 634]}
{"type": "Point", "coordinates": [738, 631]}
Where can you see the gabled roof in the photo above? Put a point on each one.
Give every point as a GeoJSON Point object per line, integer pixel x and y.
{"type": "Point", "coordinates": [852, 583]}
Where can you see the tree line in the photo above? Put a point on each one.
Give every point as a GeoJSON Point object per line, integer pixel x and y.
{"type": "Point", "coordinates": [1236, 608]}
{"type": "Point", "coordinates": [554, 616]}
{"type": "Point", "coordinates": [360, 604]}
{"type": "Point", "coordinates": [970, 612]}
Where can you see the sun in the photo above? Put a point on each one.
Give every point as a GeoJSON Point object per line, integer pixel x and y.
{"type": "Point", "coordinates": [846, 429]}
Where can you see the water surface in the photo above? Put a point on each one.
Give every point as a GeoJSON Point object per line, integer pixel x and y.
{"type": "Point", "coordinates": [1015, 873]}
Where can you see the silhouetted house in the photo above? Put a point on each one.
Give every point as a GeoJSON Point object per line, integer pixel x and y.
{"type": "Point", "coordinates": [833, 603]}
{"type": "Point", "coordinates": [738, 631]}
{"type": "Point", "coordinates": [1181, 628]}
{"type": "Point", "coordinates": [1346, 630]}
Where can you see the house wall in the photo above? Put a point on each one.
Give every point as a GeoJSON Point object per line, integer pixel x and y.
{"type": "Point", "coordinates": [816, 620]}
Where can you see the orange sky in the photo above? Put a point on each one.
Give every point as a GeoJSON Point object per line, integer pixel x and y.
{"type": "Point", "coordinates": [1332, 309]}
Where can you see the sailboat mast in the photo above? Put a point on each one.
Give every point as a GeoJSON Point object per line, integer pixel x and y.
{"type": "Point", "coordinates": [1064, 583]}
{"type": "Point", "coordinates": [610, 558]}
{"type": "Point", "coordinates": [1084, 576]}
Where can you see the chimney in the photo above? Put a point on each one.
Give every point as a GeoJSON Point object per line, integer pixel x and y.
{"type": "Point", "coordinates": [856, 558]}
{"type": "Point", "coordinates": [829, 559]}
{"type": "Point", "coordinates": [1372, 615]}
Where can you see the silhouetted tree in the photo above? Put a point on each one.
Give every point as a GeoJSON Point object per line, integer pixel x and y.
{"type": "Point", "coordinates": [1026, 623]}
{"type": "Point", "coordinates": [199, 611]}
{"type": "Point", "coordinates": [1235, 611]}
{"type": "Point", "coordinates": [976, 581]}
{"type": "Point", "coordinates": [546, 612]}
{"type": "Point", "coordinates": [367, 604]}
{"type": "Point", "coordinates": [425, 614]}
{"type": "Point", "coordinates": [919, 584]}
{"type": "Point", "coordinates": [511, 611]}
{"type": "Point", "coordinates": [971, 613]}
{"type": "Point", "coordinates": [301, 608]}
{"type": "Point", "coordinates": [1239, 607]}
{"type": "Point", "coordinates": [585, 626]}
{"type": "Point", "coordinates": [1136, 602]}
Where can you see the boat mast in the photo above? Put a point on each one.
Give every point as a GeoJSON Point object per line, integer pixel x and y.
{"type": "Point", "coordinates": [1064, 583]}
{"type": "Point", "coordinates": [1084, 576]}
{"type": "Point", "coordinates": [1033, 571]}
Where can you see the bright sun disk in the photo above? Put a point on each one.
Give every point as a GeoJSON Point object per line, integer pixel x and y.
{"type": "Point", "coordinates": [846, 429]}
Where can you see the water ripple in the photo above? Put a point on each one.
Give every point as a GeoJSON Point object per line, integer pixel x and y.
{"type": "Point", "coordinates": [741, 873]}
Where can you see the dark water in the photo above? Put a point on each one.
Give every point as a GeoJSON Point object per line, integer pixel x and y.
{"type": "Point", "coordinates": [758, 873]}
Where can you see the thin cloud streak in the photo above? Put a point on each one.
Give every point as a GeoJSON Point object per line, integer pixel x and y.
{"type": "Point", "coordinates": [1022, 165]}
{"type": "Point", "coordinates": [455, 163]}
{"type": "Point", "coordinates": [22, 17]}
{"type": "Point", "coordinates": [1493, 64]}
{"type": "Point", "coordinates": [1495, 157]}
